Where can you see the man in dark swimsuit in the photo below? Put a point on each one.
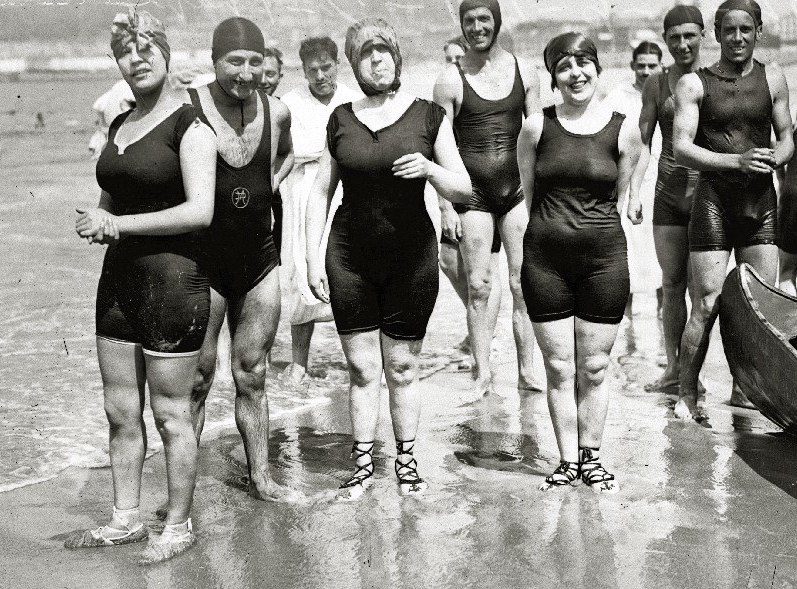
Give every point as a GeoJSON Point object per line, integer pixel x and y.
{"type": "Point", "coordinates": [253, 131]}
{"type": "Point", "coordinates": [724, 116]}
{"type": "Point", "coordinates": [486, 97]}
{"type": "Point", "coordinates": [675, 185]}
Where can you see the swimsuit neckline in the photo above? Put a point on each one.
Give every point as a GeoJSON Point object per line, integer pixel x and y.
{"type": "Point", "coordinates": [120, 149]}
{"type": "Point", "coordinates": [374, 132]}
{"type": "Point", "coordinates": [574, 134]}
{"type": "Point", "coordinates": [515, 73]}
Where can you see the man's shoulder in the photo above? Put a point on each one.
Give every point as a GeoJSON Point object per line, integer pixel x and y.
{"type": "Point", "coordinates": [344, 94]}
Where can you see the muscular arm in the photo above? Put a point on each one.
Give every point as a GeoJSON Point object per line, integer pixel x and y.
{"type": "Point", "coordinates": [781, 115]}
{"type": "Point", "coordinates": [527, 154]}
{"type": "Point", "coordinates": [283, 160]}
{"type": "Point", "coordinates": [447, 93]}
{"type": "Point", "coordinates": [198, 164]}
{"type": "Point", "coordinates": [648, 118]}
{"type": "Point", "coordinates": [531, 83]}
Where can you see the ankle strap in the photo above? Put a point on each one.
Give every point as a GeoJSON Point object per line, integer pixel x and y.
{"type": "Point", "coordinates": [358, 452]}
{"type": "Point", "coordinates": [410, 446]}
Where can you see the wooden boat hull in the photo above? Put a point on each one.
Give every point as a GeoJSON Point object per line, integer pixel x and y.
{"type": "Point", "coordinates": [757, 322]}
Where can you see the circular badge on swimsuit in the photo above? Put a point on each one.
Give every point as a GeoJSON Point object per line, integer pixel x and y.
{"type": "Point", "coordinates": [240, 197]}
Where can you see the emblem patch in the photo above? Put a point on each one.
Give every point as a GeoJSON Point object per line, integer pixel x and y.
{"type": "Point", "coordinates": [240, 197]}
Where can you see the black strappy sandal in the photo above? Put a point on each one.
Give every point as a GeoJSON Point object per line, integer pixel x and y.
{"type": "Point", "coordinates": [594, 475]}
{"type": "Point", "coordinates": [362, 478]}
{"type": "Point", "coordinates": [567, 473]}
{"type": "Point", "coordinates": [407, 471]}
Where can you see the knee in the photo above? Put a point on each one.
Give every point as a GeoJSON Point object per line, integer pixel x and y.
{"type": "Point", "coordinates": [479, 286]}
{"type": "Point", "coordinates": [249, 369]}
{"type": "Point", "coordinates": [122, 419]}
{"type": "Point", "coordinates": [203, 379]}
{"type": "Point", "coordinates": [400, 374]}
{"type": "Point", "coordinates": [363, 373]}
{"type": "Point", "coordinates": [560, 372]}
{"type": "Point", "coordinates": [171, 425]}
{"type": "Point", "coordinates": [593, 369]}
{"type": "Point", "coordinates": [673, 286]}
{"type": "Point", "coordinates": [448, 264]}
{"type": "Point", "coordinates": [705, 305]}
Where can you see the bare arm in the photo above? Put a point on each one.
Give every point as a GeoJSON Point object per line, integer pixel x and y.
{"type": "Point", "coordinates": [688, 94]}
{"type": "Point", "coordinates": [527, 154]}
{"type": "Point", "coordinates": [531, 83]}
{"type": "Point", "coordinates": [648, 117]}
{"type": "Point", "coordinates": [318, 203]}
{"type": "Point", "coordinates": [781, 115]}
{"type": "Point", "coordinates": [283, 160]}
{"type": "Point", "coordinates": [447, 91]}
{"type": "Point", "coordinates": [629, 144]}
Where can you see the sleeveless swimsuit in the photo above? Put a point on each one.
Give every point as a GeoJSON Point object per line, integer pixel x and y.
{"type": "Point", "coordinates": [575, 260]}
{"type": "Point", "coordinates": [675, 185]}
{"type": "Point", "coordinates": [487, 132]}
{"type": "Point", "coordinates": [152, 290]}
{"type": "Point", "coordinates": [733, 209]}
{"type": "Point", "coordinates": [238, 247]}
{"type": "Point", "coordinates": [381, 257]}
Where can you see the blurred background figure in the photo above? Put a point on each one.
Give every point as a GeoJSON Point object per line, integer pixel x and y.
{"type": "Point", "coordinates": [118, 99]}
{"type": "Point", "coordinates": [455, 49]}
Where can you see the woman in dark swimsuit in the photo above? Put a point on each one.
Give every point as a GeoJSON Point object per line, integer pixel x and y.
{"type": "Point", "coordinates": [157, 174]}
{"type": "Point", "coordinates": [381, 259]}
{"type": "Point", "coordinates": [574, 160]}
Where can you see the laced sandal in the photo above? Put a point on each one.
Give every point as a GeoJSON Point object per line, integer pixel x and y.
{"type": "Point", "coordinates": [594, 475]}
{"type": "Point", "coordinates": [108, 535]}
{"type": "Point", "coordinates": [407, 471]}
{"type": "Point", "coordinates": [175, 539]}
{"type": "Point", "coordinates": [567, 473]}
{"type": "Point", "coordinates": [362, 478]}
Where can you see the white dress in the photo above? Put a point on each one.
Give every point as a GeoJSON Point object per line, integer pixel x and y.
{"type": "Point", "coordinates": [643, 266]}
{"type": "Point", "coordinates": [309, 119]}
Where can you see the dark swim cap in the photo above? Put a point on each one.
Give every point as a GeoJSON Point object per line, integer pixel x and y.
{"type": "Point", "coordinates": [492, 5]}
{"type": "Point", "coordinates": [141, 28]}
{"type": "Point", "coordinates": [681, 15]}
{"type": "Point", "coordinates": [751, 7]}
{"type": "Point", "coordinates": [569, 45]}
{"type": "Point", "coordinates": [360, 33]}
{"type": "Point", "coordinates": [234, 34]}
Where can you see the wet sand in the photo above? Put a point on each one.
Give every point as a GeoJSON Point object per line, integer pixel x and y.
{"type": "Point", "coordinates": [698, 507]}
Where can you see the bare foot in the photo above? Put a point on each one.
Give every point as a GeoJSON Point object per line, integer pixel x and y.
{"type": "Point", "coordinates": [690, 407]}
{"type": "Point", "coordinates": [271, 491]}
{"type": "Point", "coordinates": [739, 399]}
{"type": "Point", "coordinates": [668, 380]}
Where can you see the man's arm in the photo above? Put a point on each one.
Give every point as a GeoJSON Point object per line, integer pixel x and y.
{"type": "Point", "coordinates": [527, 154]}
{"type": "Point", "coordinates": [648, 118]}
{"type": "Point", "coordinates": [781, 115]}
{"type": "Point", "coordinates": [688, 94]}
{"type": "Point", "coordinates": [531, 84]}
{"type": "Point", "coordinates": [447, 93]}
{"type": "Point", "coordinates": [283, 161]}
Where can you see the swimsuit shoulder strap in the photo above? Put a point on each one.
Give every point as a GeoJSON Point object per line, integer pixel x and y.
{"type": "Point", "coordinates": [193, 94]}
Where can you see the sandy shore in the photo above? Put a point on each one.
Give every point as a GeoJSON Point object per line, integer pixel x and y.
{"type": "Point", "coordinates": [699, 506]}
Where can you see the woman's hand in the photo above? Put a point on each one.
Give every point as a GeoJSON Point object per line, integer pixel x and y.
{"type": "Point", "coordinates": [96, 225]}
{"type": "Point", "coordinates": [634, 213]}
{"type": "Point", "coordinates": [412, 166]}
{"type": "Point", "coordinates": [317, 279]}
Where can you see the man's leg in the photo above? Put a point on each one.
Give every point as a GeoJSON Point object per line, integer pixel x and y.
{"type": "Point", "coordinates": [764, 260]}
{"type": "Point", "coordinates": [301, 337]}
{"type": "Point", "coordinates": [672, 251]}
{"type": "Point", "coordinates": [477, 236]}
{"type": "Point", "coordinates": [206, 368]}
{"type": "Point", "coordinates": [253, 325]}
{"type": "Point", "coordinates": [708, 270]}
{"type": "Point", "coordinates": [513, 227]}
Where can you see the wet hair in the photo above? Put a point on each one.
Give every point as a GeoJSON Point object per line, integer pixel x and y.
{"type": "Point", "coordinates": [569, 45]}
{"type": "Point", "coordinates": [274, 52]}
{"type": "Point", "coordinates": [315, 47]}
{"type": "Point", "coordinates": [646, 48]}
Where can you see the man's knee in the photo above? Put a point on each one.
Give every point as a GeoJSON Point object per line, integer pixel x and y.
{"type": "Point", "coordinates": [122, 418]}
{"type": "Point", "coordinates": [593, 369]}
{"type": "Point", "coordinates": [479, 286]}
{"type": "Point", "coordinates": [705, 305]}
{"type": "Point", "coordinates": [560, 372]}
{"type": "Point", "coordinates": [401, 373]}
{"type": "Point", "coordinates": [249, 368]}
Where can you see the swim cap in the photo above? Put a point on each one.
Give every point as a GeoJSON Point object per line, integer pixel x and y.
{"type": "Point", "coordinates": [681, 15]}
{"type": "Point", "coordinates": [234, 34]}
{"type": "Point", "coordinates": [751, 7]}
{"type": "Point", "coordinates": [360, 33]}
{"type": "Point", "coordinates": [141, 28]}
{"type": "Point", "coordinates": [491, 5]}
{"type": "Point", "coordinates": [569, 45]}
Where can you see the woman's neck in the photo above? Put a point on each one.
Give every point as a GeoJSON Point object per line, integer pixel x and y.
{"type": "Point", "coordinates": [377, 100]}
{"type": "Point", "coordinates": [575, 110]}
{"type": "Point", "coordinates": [149, 101]}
